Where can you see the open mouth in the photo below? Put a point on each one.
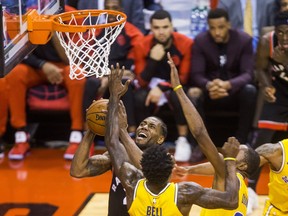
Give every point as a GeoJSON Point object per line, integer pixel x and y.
{"type": "Point", "coordinates": [142, 135]}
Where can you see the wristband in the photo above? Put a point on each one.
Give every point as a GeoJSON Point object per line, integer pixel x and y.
{"type": "Point", "coordinates": [177, 87]}
{"type": "Point", "coordinates": [230, 158]}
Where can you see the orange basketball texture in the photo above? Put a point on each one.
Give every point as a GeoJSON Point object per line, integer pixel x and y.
{"type": "Point", "coordinates": [95, 118]}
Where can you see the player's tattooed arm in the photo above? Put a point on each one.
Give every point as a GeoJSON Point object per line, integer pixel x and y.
{"type": "Point", "coordinates": [84, 166]}
{"type": "Point", "coordinates": [270, 153]}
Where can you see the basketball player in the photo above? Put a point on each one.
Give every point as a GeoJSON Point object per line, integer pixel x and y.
{"type": "Point", "coordinates": [272, 70]}
{"type": "Point", "coordinates": [247, 161]}
{"type": "Point", "coordinates": [151, 131]}
{"type": "Point", "coordinates": [150, 193]}
{"type": "Point", "coordinates": [275, 154]}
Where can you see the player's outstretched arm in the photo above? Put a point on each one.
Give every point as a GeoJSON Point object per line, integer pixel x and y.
{"type": "Point", "coordinates": [134, 152]}
{"type": "Point", "coordinates": [195, 123]}
{"type": "Point", "coordinates": [197, 169]}
{"type": "Point", "coordinates": [84, 166]}
{"type": "Point", "coordinates": [126, 172]}
{"type": "Point", "coordinates": [193, 193]}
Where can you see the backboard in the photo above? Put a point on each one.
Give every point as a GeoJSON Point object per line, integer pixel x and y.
{"type": "Point", "coordinates": [15, 42]}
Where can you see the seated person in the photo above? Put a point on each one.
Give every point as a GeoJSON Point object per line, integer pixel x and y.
{"type": "Point", "coordinates": [43, 65]}
{"type": "Point", "coordinates": [222, 72]}
{"type": "Point", "coordinates": [152, 75]}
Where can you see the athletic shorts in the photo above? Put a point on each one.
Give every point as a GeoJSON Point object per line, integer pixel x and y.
{"type": "Point", "coordinates": [270, 210]}
{"type": "Point", "coordinates": [274, 116]}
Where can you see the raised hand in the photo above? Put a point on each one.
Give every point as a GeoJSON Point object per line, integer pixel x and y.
{"type": "Point", "coordinates": [230, 148]}
{"type": "Point", "coordinates": [173, 73]}
{"type": "Point", "coordinates": [115, 81]}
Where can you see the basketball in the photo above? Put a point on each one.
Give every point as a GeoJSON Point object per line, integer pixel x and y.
{"type": "Point", "coordinates": [95, 117]}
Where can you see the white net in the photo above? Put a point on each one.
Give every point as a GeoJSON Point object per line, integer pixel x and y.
{"type": "Point", "coordinates": [88, 52]}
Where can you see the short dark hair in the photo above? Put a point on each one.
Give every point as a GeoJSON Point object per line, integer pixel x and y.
{"type": "Point", "coordinates": [161, 14]}
{"type": "Point", "coordinates": [281, 18]}
{"type": "Point", "coordinates": [218, 13]}
{"type": "Point", "coordinates": [157, 164]}
{"type": "Point", "coordinates": [252, 159]}
{"type": "Point", "coordinates": [164, 130]}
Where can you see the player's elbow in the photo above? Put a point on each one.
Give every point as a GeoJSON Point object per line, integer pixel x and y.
{"type": "Point", "coordinates": [233, 202]}
{"type": "Point", "coordinates": [76, 173]}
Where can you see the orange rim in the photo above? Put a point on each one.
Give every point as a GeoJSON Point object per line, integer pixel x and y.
{"type": "Point", "coordinates": [66, 16]}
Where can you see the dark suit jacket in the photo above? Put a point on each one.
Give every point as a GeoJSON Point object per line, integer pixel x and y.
{"type": "Point", "coordinates": [132, 8]}
{"type": "Point", "coordinates": [266, 10]}
{"type": "Point", "coordinates": [205, 60]}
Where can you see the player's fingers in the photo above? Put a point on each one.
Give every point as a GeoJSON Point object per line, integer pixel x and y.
{"type": "Point", "coordinates": [122, 71]}
{"type": "Point", "coordinates": [126, 84]}
{"type": "Point", "coordinates": [147, 102]}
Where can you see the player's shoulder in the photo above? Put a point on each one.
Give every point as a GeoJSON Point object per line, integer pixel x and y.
{"type": "Point", "coordinates": [240, 35]}
{"type": "Point", "coordinates": [146, 43]}
{"type": "Point", "coordinates": [181, 38]}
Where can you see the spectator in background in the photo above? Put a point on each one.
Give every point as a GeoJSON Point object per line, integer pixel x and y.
{"type": "Point", "coordinates": [121, 52]}
{"type": "Point", "coordinates": [250, 15]}
{"type": "Point", "coordinates": [43, 65]}
{"type": "Point", "coordinates": [222, 72]}
{"type": "Point", "coordinates": [271, 69]}
{"type": "Point", "coordinates": [152, 73]}
{"type": "Point", "coordinates": [132, 8]}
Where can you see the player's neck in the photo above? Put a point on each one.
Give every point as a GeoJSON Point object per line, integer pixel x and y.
{"type": "Point", "coordinates": [156, 188]}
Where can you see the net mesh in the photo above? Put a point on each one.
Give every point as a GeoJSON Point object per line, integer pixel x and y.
{"type": "Point", "coordinates": [88, 52]}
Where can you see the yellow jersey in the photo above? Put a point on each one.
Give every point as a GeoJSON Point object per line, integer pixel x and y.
{"type": "Point", "coordinates": [242, 203]}
{"type": "Point", "coordinates": [146, 203]}
{"type": "Point", "coordinates": [278, 184]}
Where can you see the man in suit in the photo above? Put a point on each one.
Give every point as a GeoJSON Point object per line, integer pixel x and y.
{"type": "Point", "coordinates": [263, 13]}
{"type": "Point", "coordinates": [132, 8]}
{"type": "Point", "coordinates": [222, 72]}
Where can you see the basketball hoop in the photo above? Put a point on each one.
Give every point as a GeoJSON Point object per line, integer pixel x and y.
{"type": "Point", "coordinates": [86, 36]}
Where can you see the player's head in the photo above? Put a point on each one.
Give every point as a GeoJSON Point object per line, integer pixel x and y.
{"type": "Point", "coordinates": [219, 25]}
{"type": "Point", "coordinates": [284, 5]}
{"type": "Point", "coordinates": [113, 5]}
{"type": "Point", "coordinates": [157, 164]}
{"type": "Point", "coordinates": [161, 26]}
{"type": "Point", "coordinates": [247, 160]}
{"type": "Point", "coordinates": [150, 131]}
{"type": "Point", "coordinates": [281, 29]}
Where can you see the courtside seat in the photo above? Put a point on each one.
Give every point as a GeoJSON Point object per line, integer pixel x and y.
{"type": "Point", "coordinates": [48, 113]}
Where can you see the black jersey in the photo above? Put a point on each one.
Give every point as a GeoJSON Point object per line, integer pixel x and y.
{"type": "Point", "coordinates": [279, 74]}
{"type": "Point", "coordinates": [117, 198]}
